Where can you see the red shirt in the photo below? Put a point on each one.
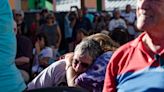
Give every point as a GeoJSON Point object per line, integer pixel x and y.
{"type": "Point", "coordinates": [128, 69]}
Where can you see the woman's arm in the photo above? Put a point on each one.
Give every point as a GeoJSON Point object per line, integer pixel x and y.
{"type": "Point", "coordinates": [71, 76]}
{"type": "Point", "coordinates": [70, 72]}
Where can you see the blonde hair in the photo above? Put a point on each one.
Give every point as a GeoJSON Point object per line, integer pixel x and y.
{"type": "Point", "coordinates": [106, 43]}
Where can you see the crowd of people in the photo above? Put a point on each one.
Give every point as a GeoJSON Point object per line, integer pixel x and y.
{"type": "Point", "coordinates": [104, 52]}
{"type": "Point", "coordinates": [38, 44]}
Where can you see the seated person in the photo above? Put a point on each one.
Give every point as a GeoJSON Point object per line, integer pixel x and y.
{"type": "Point", "coordinates": [43, 54]}
{"type": "Point", "coordinates": [117, 21]}
{"type": "Point", "coordinates": [55, 75]}
{"type": "Point", "coordinates": [93, 78]}
{"type": "Point", "coordinates": [23, 55]}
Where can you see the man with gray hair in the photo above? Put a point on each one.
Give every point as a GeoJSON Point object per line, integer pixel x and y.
{"type": "Point", "coordinates": [55, 75]}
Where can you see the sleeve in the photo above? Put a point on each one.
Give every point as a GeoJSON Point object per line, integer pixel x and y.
{"type": "Point", "coordinates": [112, 70]}
{"type": "Point", "coordinates": [48, 77]}
{"type": "Point", "coordinates": [109, 82]}
{"type": "Point", "coordinates": [42, 80]}
{"type": "Point", "coordinates": [115, 67]}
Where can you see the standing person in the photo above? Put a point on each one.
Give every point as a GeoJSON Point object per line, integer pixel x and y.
{"type": "Point", "coordinates": [138, 66]}
{"type": "Point", "coordinates": [21, 24]}
{"type": "Point", "coordinates": [10, 77]}
{"type": "Point", "coordinates": [43, 15]}
{"type": "Point", "coordinates": [53, 33]}
{"type": "Point", "coordinates": [34, 27]}
{"type": "Point", "coordinates": [69, 23]}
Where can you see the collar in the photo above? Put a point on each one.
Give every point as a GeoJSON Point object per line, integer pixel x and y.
{"type": "Point", "coordinates": [139, 44]}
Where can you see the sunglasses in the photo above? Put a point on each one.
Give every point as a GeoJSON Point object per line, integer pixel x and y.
{"type": "Point", "coordinates": [84, 65]}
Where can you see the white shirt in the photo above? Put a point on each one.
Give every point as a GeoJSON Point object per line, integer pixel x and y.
{"type": "Point", "coordinates": [114, 23]}
{"type": "Point", "coordinates": [130, 17]}
{"type": "Point", "coordinates": [46, 52]}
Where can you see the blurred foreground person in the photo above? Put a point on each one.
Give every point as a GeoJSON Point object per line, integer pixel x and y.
{"type": "Point", "coordinates": [53, 33]}
{"type": "Point", "coordinates": [10, 77]}
{"type": "Point", "coordinates": [138, 66]}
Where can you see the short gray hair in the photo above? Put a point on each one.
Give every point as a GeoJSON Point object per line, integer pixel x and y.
{"type": "Point", "coordinates": [90, 47]}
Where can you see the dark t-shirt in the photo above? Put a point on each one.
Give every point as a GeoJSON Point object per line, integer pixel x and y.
{"type": "Point", "coordinates": [24, 48]}
{"type": "Point", "coordinates": [51, 33]}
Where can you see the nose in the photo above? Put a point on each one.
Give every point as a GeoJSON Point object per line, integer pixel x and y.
{"type": "Point", "coordinates": [79, 68]}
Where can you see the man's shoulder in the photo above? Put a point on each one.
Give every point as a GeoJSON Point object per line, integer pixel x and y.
{"type": "Point", "coordinates": [127, 49]}
{"type": "Point", "coordinates": [121, 51]}
{"type": "Point", "coordinates": [59, 72]}
{"type": "Point", "coordinates": [58, 65]}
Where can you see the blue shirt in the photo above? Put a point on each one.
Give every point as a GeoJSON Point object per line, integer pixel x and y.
{"type": "Point", "coordinates": [10, 77]}
{"type": "Point", "coordinates": [133, 69]}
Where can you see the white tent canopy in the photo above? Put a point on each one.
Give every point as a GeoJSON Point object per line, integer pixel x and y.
{"type": "Point", "coordinates": [64, 5]}
{"type": "Point", "coordinates": [121, 4]}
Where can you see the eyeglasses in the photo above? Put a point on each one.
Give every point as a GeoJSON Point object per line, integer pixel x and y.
{"type": "Point", "coordinates": [84, 65]}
